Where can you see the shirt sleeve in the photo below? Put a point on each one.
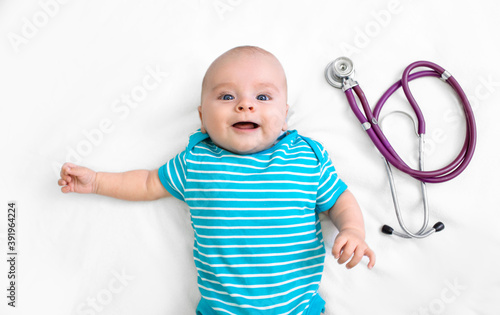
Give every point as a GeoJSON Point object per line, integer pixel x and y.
{"type": "Point", "coordinates": [330, 185]}
{"type": "Point", "coordinates": [173, 175]}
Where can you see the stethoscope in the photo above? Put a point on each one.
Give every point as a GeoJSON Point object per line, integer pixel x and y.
{"type": "Point", "coordinates": [340, 74]}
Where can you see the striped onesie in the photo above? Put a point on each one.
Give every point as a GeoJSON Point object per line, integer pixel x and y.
{"type": "Point", "coordinates": [258, 246]}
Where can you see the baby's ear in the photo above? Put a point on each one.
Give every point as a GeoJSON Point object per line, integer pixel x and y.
{"type": "Point", "coordinates": [285, 124]}
{"type": "Point", "coordinates": [202, 128]}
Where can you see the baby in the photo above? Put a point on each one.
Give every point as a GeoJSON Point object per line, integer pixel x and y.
{"type": "Point", "coordinates": [254, 189]}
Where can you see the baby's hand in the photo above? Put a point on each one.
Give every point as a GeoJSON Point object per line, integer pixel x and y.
{"type": "Point", "coordinates": [77, 179]}
{"type": "Point", "coordinates": [349, 242]}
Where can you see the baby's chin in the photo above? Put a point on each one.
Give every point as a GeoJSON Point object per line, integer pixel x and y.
{"type": "Point", "coordinates": [246, 142]}
{"type": "Point", "coordinates": [245, 148]}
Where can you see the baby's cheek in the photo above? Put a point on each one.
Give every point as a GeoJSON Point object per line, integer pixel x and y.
{"type": "Point", "coordinates": [277, 121]}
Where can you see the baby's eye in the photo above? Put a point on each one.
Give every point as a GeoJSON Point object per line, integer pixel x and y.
{"type": "Point", "coordinates": [262, 97]}
{"type": "Point", "coordinates": [227, 97]}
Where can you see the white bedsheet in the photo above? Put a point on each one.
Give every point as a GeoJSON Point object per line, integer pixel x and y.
{"type": "Point", "coordinates": [114, 86]}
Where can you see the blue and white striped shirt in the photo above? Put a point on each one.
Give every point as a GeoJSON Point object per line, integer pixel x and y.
{"type": "Point", "coordinates": [258, 246]}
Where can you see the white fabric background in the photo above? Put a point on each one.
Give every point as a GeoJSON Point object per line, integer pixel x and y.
{"type": "Point", "coordinates": [67, 67]}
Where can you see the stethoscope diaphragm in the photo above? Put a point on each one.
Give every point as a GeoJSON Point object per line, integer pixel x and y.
{"type": "Point", "coordinates": [338, 70]}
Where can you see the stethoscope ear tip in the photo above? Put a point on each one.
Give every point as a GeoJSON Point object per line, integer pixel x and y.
{"type": "Point", "coordinates": [387, 230]}
{"type": "Point", "coordinates": [439, 226]}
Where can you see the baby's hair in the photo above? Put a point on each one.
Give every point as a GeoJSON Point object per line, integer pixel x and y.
{"type": "Point", "coordinates": [246, 49]}
{"type": "Point", "coordinates": [236, 51]}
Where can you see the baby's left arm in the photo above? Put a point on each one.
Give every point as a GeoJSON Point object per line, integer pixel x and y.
{"type": "Point", "coordinates": [350, 242]}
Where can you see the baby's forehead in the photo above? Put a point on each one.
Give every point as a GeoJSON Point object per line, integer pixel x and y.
{"type": "Point", "coordinates": [241, 55]}
{"type": "Point", "coordinates": [243, 58]}
{"type": "Point", "coordinates": [246, 51]}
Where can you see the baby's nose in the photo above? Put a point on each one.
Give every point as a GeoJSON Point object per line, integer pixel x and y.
{"type": "Point", "coordinates": [245, 105]}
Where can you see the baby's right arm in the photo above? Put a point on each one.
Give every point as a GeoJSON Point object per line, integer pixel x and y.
{"type": "Point", "coordinates": [133, 185]}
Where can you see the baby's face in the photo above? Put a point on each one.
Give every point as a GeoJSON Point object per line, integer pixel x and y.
{"type": "Point", "coordinates": [243, 105]}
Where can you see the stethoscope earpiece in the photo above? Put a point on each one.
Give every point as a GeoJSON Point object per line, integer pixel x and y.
{"type": "Point", "coordinates": [439, 226]}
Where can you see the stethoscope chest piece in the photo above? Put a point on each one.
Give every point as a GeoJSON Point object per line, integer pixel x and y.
{"type": "Point", "coordinates": [338, 71]}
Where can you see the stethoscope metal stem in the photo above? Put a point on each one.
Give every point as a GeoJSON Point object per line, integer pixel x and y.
{"type": "Point", "coordinates": [340, 74]}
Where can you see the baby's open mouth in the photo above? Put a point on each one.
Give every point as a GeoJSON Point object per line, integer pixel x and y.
{"type": "Point", "coordinates": [245, 125]}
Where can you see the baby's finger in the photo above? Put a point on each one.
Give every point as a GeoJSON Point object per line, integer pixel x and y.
{"type": "Point", "coordinates": [358, 255]}
{"type": "Point", "coordinates": [66, 167]}
{"type": "Point", "coordinates": [65, 178]}
{"type": "Point", "coordinates": [61, 182]}
{"type": "Point", "coordinates": [65, 189]}
{"type": "Point", "coordinates": [347, 252]}
{"type": "Point", "coordinates": [63, 171]}
{"type": "Point", "coordinates": [337, 247]}
{"type": "Point", "coordinates": [371, 255]}
{"type": "Point", "coordinates": [77, 170]}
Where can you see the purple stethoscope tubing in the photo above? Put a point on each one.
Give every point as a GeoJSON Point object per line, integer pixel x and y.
{"type": "Point", "coordinates": [340, 73]}
{"type": "Point", "coordinates": [444, 174]}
